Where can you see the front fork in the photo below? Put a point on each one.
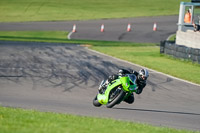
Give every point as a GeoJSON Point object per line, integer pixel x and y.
{"type": "Point", "coordinates": [102, 83]}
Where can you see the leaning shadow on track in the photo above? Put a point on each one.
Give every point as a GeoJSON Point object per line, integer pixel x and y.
{"type": "Point", "coordinates": [157, 111]}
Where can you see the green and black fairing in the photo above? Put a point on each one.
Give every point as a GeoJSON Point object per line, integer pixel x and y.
{"type": "Point", "coordinates": [125, 84]}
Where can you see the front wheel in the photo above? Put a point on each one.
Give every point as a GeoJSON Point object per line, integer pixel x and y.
{"type": "Point", "coordinates": [96, 102]}
{"type": "Point", "coordinates": [115, 97]}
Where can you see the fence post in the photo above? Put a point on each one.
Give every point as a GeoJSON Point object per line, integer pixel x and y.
{"type": "Point", "coordinates": [162, 47]}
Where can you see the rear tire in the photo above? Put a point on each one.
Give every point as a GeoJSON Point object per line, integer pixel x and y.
{"type": "Point", "coordinates": [96, 102]}
{"type": "Point", "coordinates": [117, 99]}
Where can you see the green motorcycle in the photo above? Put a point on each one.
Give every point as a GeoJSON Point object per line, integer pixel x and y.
{"type": "Point", "coordinates": [116, 91]}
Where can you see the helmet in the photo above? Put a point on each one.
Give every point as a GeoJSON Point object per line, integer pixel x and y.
{"type": "Point", "coordinates": [143, 75]}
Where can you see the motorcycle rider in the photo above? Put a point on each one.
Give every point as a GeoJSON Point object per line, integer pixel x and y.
{"type": "Point", "coordinates": [142, 76]}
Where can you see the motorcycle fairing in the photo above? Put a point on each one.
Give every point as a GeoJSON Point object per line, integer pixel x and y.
{"type": "Point", "coordinates": [103, 98]}
{"type": "Point", "coordinates": [123, 81]}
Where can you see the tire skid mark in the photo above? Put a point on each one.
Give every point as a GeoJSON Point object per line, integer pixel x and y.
{"type": "Point", "coordinates": [59, 65]}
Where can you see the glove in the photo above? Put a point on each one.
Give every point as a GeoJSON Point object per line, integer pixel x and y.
{"type": "Point", "coordinates": [113, 77]}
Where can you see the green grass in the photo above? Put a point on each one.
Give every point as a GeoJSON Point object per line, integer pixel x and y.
{"type": "Point", "coordinates": [42, 36]}
{"type": "Point", "coordinates": [151, 58]}
{"type": "Point", "coordinates": [172, 37]}
{"type": "Point", "coordinates": [59, 36]}
{"type": "Point", "coordinates": [13, 120]}
{"type": "Point", "coordinates": [51, 10]}
{"type": "Point", "coordinates": [143, 54]}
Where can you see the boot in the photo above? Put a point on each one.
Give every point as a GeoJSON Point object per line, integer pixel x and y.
{"type": "Point", "coordinates": [129, 99]}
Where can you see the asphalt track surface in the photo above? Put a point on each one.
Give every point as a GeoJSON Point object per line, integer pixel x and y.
{"type": "Point", "coordinates": [64, 78]}
{"type": "Point", "coordinates": [115, 29]}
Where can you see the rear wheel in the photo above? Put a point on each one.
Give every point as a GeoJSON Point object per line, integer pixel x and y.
{"type": "Point", "coordinates": [115, 97]}
{"type": "Point", "coordinates": [96, 102]}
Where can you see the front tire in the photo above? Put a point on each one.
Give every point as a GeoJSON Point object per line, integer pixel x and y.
{"type": "Point", "coordinates": [96, 102]}
{"type": "Point", "coordinates": [117, 99]}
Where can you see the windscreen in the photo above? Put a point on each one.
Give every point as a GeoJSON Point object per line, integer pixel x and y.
{"type": "Point", "coordinates": [132, 78]}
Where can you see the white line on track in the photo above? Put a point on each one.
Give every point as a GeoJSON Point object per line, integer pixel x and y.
{"type": "Point", "coordinates": [69, 35]}
{"type": "Point", "coordinates": [153, 71]}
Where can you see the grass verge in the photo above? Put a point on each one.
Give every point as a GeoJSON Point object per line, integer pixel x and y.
{"type": "Point", "coordinates": [150, 57]}
{"type": "Point", "coordinates": [172, 37]}
{"type": "Point", "coordinates": [13, 120]}
{"type": "Point", "coordinates": [143, 54]}
{"type": "Point", "coordinates": [61, 37]}
{"type": "Point", "coordinates": [51, 10]}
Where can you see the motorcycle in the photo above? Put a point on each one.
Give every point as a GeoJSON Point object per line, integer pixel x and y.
{"type": "Point", "coordinates": [116, 91]}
